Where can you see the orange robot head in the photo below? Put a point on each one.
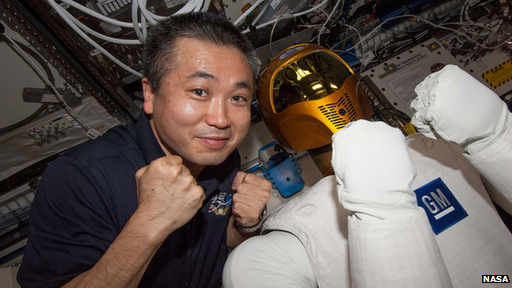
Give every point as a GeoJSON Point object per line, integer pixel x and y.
{"type": "Point", "coordinates": [306, 94]}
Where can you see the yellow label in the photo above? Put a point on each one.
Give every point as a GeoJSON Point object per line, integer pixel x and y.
{"type": "Point", "coordinates": [246, 7]}
{"type": "Point", "coordinates": [499, 75]}
{"type": "Point", "coordinates": [409, 129]}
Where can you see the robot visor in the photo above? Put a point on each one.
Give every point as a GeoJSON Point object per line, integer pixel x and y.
{"type": "Point", "coordinates": [312, 77]}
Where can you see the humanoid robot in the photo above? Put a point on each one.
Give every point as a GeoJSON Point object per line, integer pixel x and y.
{"type": "Point", "coordinates": [399, 212]}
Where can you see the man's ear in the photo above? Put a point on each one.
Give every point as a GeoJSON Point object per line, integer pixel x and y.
{"type": "Point", "coordinates": [149, 95]}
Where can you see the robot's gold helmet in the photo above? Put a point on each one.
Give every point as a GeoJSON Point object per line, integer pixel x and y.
{"type": "Point", "coordinates": [306, 94]}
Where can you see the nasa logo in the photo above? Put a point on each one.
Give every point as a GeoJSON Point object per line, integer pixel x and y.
{"type": "Point", "coordinates": [495, 279]}
{"type": "Point", "coordinates": [442, 208]}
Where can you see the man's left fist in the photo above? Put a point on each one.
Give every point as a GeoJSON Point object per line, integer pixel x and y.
{"type": "Point", "coordinates": [252, 194]}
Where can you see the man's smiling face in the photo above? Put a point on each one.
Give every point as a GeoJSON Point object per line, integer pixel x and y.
{"type": "Point", "coordinates": [201, 111]}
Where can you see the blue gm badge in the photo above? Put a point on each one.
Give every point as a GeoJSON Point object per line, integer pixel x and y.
{"type": "Point", "coordinates": [220, 204]}
{"type": "Point", "coordinates": [442, 208]}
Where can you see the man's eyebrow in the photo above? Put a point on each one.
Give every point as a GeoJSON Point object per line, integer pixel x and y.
{"type": "Point", "coordinates": [243, 85]}
{"type": "Point", "coordinates": [209, 76]}
{"type": "Point", "coordinates": [202, 74]}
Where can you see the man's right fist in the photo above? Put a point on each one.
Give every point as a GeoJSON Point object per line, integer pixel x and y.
{"type": "Point", "coordinates": [168, 194]}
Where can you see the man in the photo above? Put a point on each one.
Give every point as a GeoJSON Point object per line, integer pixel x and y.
{"type": "Point", "coordinates": [388, 241]}
{"type": "Point", "coordinates": [154, 204]}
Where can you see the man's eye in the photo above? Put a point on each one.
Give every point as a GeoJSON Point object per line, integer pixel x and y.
{"type": "Point", "coordinates": [239, 99]}
{"type": "Point", "coordinates": [199, 92]}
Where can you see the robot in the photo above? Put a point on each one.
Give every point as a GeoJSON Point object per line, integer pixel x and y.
{"type": "Point", "coordinates": [398, 211]}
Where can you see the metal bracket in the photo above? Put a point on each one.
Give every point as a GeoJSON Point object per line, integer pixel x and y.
{"type": "Point", "coordinates": [36, 95]}
{"type": "Point", "coordinates": [281, 169]}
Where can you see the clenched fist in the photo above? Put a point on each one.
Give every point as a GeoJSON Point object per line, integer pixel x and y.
{"type": "Point", "coordinates": [252, 194]}
{"type": "Point", "coordinates": [168, 194]}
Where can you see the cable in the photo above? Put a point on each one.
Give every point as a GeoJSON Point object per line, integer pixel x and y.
{"type": "Point", "coordinates": [138, 31]}
{"type": "Point", "coordinates": [459, 33]}
{"type": "Point", "coordinates": [464, 16]}
{"type": "Point", "coordinates": [247, 12]}
{"type": "Point", "coordinates": [198, 6]}
{"type": "Point", "coordinates": [144, 27]}
{"type": "Point", "coordinates": [59, 9]}
{"type": "Point", "coordinates": [31, 117]}
{"type": "Point", "coordinates": [287, 16]}
{"type": "Point", "coordinates": [206, 5]}
{"type": "Point", "coordinates": [366, 41]}
{"type": "Point", "coordinates": [260, 14]}
{"type": "Point", "coordinates": [189, 7]}
{"type": "Point", "coordinates": [99, 35]}
{"type": "Point", "coordinates": [377, 28]}
{"type": "Point", "coordinates": [145, 12]}
{"type": "Point", "coordinates": [139, 28]}
{"type": "Point", "coordinates": [272, 33]}
{"type": "Point", "coordinates": [321, 5]}
{"type": "Point", "coordinates": [327, 20]}
{"type": "Point", "coordinates": [97, 15]}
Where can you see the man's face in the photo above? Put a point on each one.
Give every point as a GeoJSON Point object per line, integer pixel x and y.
{"type": "Point", "coordinates": [202, 109]}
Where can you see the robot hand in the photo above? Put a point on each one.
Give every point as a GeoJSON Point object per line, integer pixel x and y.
{"type": "Point", "coordinates": [458, 108]}
{"type": "Point", "coordinates": [374, 171]}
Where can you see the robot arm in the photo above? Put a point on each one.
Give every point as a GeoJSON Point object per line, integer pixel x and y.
{"type": "Point", "coordinates": [390, 239]}
{"type": "Point", "coordinates": [452, 105]}
{"type": "Point", "coordinates": [277, 259]}
{"type": "Point", "coordinates": [374, 171]}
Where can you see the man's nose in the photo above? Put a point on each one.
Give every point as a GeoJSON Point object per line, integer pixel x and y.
{"type": "Point", "coordinates": [218, 114]}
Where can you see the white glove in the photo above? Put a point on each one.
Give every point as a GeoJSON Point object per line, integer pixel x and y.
{"type": "Point", "coordinates": [459, 109]}
{"type": "Point", "coordinates": [374, 171]}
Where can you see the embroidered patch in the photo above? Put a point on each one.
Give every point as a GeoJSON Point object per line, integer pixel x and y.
{"type": "Point", "coordinates": [442, 208]}
{"type": "Point", "coordinates": [220, 204]}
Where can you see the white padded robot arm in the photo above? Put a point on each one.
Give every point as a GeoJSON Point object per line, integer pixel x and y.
{"type": "Point", "coordinates": [458, 108]}
{"type": "Point", "coordinates": [391, 243]}
{"type": "Point", "coordinates": [453, 105]}
{"type": "Point", "coordinates": [374, 171]}
{"type": "Point", "coordinates": [396, 253]}
{"type": "Point", "coordinates": [495, 163]}
{"type": "Point", "coordinates": [277, 259]}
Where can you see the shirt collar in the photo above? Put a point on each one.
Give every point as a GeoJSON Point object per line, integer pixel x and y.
{"type": "Point", "coordinates": [146, 139]}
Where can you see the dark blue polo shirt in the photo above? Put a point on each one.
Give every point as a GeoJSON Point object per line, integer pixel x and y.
{"type": "Point", "coordinates": [87, 195]}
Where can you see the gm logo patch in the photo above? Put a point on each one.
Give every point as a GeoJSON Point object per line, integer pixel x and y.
{"type": "Point", "coordinates": [442, 208]}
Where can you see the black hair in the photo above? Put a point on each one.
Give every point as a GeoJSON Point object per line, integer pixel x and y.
{"type": "Point", "coordinates": [160, 43]}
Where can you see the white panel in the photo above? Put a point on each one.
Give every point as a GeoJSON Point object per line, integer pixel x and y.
{"type": "Point", "coordinates": [18, 147]}
{"type": "Point", "coordinates": [15, 75]}
{"type": "Point", "coordinates": [19, 150]}
{"type": "Point", "coordinates": [8, 277]}
{"type": "Point", "coordinates": [397, 77]}
{"type": "Point", "coordinates": [235, 8]}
